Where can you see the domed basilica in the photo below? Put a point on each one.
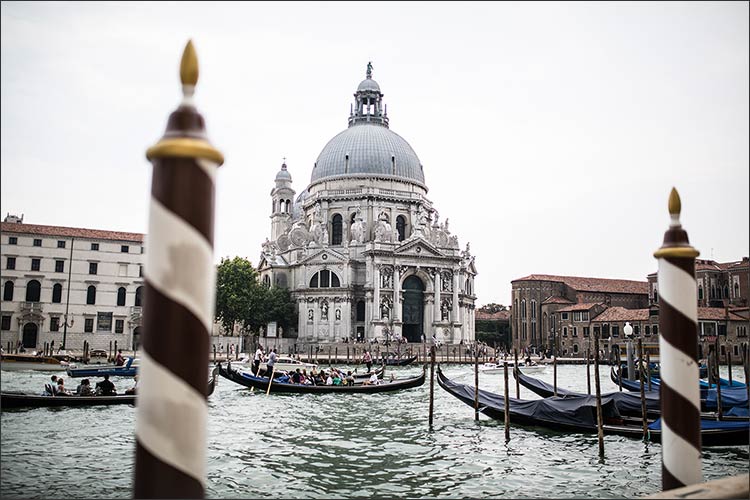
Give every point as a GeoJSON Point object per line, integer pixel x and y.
{"type": "Point", "coordinates": [362, 249]}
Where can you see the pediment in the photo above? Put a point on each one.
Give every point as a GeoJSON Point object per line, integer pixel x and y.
{"type": "Point", "coordinates": [265, 264]}
{"type": "Point", "coordinates": [418, 246]}
{"type": "Point", "coordinates": [324, 256]}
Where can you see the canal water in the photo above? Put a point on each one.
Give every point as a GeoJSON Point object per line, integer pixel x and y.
{"type": "Point", "coordinates": [329, 446]}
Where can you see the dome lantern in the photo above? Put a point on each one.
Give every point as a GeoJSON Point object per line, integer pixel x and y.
{"type": "Point", "coordinates": [368, 106]}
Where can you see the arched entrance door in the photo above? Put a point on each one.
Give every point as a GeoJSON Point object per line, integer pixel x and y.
{"type": "Point", "coordinates": [413, 309]}
{"type": "Point", "coordinates": [136, 338]}
{"type": "Point", "coordinates": [30, 331]}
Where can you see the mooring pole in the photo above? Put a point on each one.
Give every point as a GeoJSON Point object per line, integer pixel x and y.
{"type": "Point", "coordinates": [476, 385]}
{"type": "Point", "coordinates": [432, 382]}
{"type": "Point", "coordinates": [718, 379]}
{"type": "Point", "coordinates": [515, 367]}
{"type": "Point", "coordinates": [588, 371]}
{"type": "Point", "coordinates": [641, 375]}
{"type": "Point", "coordinates": [746, 366]}
{"type": "Point", "coordinates": [678, 345]}
{"type": "Point", "coordinates": [648, 369]}
{"type": "Point", "coordinates": [507, 403]}
{"type": "Point", "coordinates": [180, 276]}
{"type": "Point", "coordinates": [729, 363]}
{"type": "Point", "coordinates": [599, 426]}
{"type": "Point", "coordinates": [554, 374]}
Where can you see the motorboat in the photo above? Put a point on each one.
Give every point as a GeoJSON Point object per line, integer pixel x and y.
{"type": "Point", "coordinates": [129, 369]}
{"type": "Point", "coordinates": [283, 364]}
{"type": "Point", "coordinates": [56, 363]}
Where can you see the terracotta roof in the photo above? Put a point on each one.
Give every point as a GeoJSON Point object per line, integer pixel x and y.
{"type": "Point", "coordinates": [593, 284]}
{"type": "Point", "coordinates": [579, 307]}
{"type": "Point", "coordinates": [93, 234]}
{"type": "Point", "coordinates": [736, 317]}
{"type": "Point", "coordinates": [500, 315]}
{"type": "Point", "coordinates": [556, 300]}
{"type": "Point", "coordinates": [620, 314]}
{"type": "Point", "coordinates": [715, 313]}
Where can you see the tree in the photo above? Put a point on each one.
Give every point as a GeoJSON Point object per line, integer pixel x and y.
{"type": "Point", "coordinates": [240, 297]}
{"type": "Point", "coordinates": [280, 307]}
{"type": "Point", "coordinates": [493, 308]}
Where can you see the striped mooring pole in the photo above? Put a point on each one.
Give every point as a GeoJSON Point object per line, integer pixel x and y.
{"type": "Point", "coordinates": [180, 281]}
{"type": "Point", "coordinates": [678, 346]}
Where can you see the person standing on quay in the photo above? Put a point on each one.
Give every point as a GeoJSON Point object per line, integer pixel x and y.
{"type": "Point", "coordinates": [271, 361]}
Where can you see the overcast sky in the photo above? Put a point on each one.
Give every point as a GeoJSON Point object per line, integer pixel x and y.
{"type": "Point", "coordinates": [550, 133]}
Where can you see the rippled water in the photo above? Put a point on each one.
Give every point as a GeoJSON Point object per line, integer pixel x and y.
{"type": "Point", "coordinates": [324, 446]}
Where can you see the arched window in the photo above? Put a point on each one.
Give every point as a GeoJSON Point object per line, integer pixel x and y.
{"type": "Point", "coordinates": [700, 293]}
{"type": "Point", "coordinates": [533, 309]}
{"type": "Point", "coordinates": [121, 296]}
{"type": "Point", "coordinates": [361, 310]}
{"type": "Point", "coordinates": [656, 296]}
{"type": "Point", "coordinates": [57, 293]}
{"type": "Point", "coordinates": [8, 291]}
{"type": "Point", "coordinates": [91, 294]}
{"type": "Point", "coordinates": [726, 292]}
{"type": "Point", "coordinates": [288, 206]}
{"type": "Point", "coordinates": [401, 227]}
{"type": "Point", "coordinates": [523, 309]}
{"type": "Point", "coordinates": [325, 279]}
{"type": "Point", "coordinates": [267, 280]}
{"type": "Point", "coordinates": [139, 296]}
{"type": "Point", "coordinates": [736, 290]}
{"type": "Point", "coordinates": [337, 229]}
{"type": "Point", "coordinates": [33, 291]}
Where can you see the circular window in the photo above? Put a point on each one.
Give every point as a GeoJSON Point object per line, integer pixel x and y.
{"type": "Point", "coordinates": [419, 249]}
{"type": "Point", "coordinates": [324, 256]}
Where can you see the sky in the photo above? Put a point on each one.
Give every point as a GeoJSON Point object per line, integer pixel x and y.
{"type": "Point", "coordinates": [551, 133]}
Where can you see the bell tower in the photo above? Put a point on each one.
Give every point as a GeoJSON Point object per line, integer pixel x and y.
{"type": "Point", "coordinates": [282, 198]}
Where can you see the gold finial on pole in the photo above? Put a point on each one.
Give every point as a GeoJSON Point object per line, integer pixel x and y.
{"type": "Point", "coordinates": [676, 242]}
{"type": "Point", "coordinates": [189, 65]}
{"type": "Point", "coordinates": [675, 206]}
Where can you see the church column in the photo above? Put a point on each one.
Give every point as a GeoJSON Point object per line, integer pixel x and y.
{"type": "Point", "coordinates": [301, 319]}
{"type": "Point", "coordinates": [437, 314]}
{"type": "Point", "coordinates": [456, 312]}
{"type": "Point", "coordinates": [376, 298]}
{"type": "Point", "coordinates": [346, 317]}
{"type": "Point", "coordinates": [396, 290]}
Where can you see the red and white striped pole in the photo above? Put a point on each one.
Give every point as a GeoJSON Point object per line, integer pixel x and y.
{"type": "Point", "coordinates": [678, 346]}
{"type": "Point", "coordinates": [180, 278]}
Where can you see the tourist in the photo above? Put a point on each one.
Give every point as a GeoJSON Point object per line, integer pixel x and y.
{"type": "Point", "coordinates": [61, 390]}
{"type": "Point", "coordinates": [84, 388]}
{"type": "Point", "coordinates": [119, 359]}
{"type": "Point", "coordinates": [297, 376]}
{"type": "Point", "coordinates": [257, 359]}
{"type": "Point", "coordinates": [51, 389]}
{"type": "Point", "coordinates": [133, 389]}
{"type": "Point", "coordinates": [367, 359]}
{"type": "Point", "coordinates": [336, 378]}
{"type": "Point", "coordinates": [349, 378]}
{"type": "Point", "coordinates": [329, 379]}
{"type": "Point", "coordinates": [105, 387]}
{"type": "Point", "coordinates": [271, 361]}
{"type": "Point", "coordinates": [373, 380]}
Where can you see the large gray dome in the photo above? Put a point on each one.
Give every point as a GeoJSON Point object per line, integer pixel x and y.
{"type": "Point", "coordinates": [374, 151]}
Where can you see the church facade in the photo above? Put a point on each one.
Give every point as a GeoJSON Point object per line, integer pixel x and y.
{"type": "Point", "coordinates": [362, 249]}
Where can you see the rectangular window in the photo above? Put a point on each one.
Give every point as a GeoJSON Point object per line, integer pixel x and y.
{"type": "Point", "coordinates": [576, 316]}
{"type": "Point", "coordinates": [37, 242]}
{"type": "Point", "coordinates": [575, 331]}
{"type": "Point", "coordinates": [88, 325]}
{"type": "Point", "coordinates": [140, 271]}
{"type": "Point", "coordinates": [5, 323]}
{"type": "Point", "coordinates": [60, 243]}
{"type": "Point", "coordinates": [104, 322]}
{"type": "Point", "coordinates": [59, 266]}
{"type": "Point", "coordinates": [742, 331]}
{"type": "Point", "coordinates": [565, 316]}
{"type": "Point", "coordinates": [54, 324]}
{"type": "Point", "coordinates": [655, 329]}
{"type": "Point", "coordinates": [93, 267]}
{"type": "Point", "coordinates": [648, 330]}
{"type": "Point", "coordinates": [615, 331]}
{"type": "Point", "coordinates": [565, 331]}
{"type": "Point", "coordinates": [636, 330]}
{"type": "Point", "coordinates": [723, 330]}
{"type": "Point", "coordinates": [35, 264]}
{"type": "Point", "coordinates": [585, 316]}
{"type": "Point", "coordinates": [585, 331]}
{"type": "Point", "coordinates": [119, 325]}
{"type": "Point", "coordinates": [124, 248]}
{"type": "Point", "coordinates": [12, 240]}
{"type": "Point", "coordinates": [95, 246]}
{"type": "Point", "coordinates": [10, 263]}
{"type": "Point", "coordinates": [122, 270]}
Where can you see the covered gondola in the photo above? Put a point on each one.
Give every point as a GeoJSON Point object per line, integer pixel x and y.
{"type": "Point", "coordinates": [578, 414]}
{"type": "Point", "coordinates": [261, 383]}
{"type": "Point", "coordinates": [17, 399]}
{"type": "Point", "coordinates": [394, 361]}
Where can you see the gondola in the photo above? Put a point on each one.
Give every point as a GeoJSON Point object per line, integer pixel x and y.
{"type": "Point", "coordinates": [17, 399]}
{"type": "Point", "coordinates": [129, 369]}
{"type": "Point", "coordinates": [261, 383]}
{"type": "Point", "coordinates": [578, 414]}
{"type": "Point", "coordinates": [379, 372]}
{"type": "Point", "coordinates": [392, 361]}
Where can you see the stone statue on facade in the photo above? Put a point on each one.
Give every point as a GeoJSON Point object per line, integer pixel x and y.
{"type": "Point", "coordinates": [317, 228]}
{"type": "Point", "coordinates": [386, 277]}
{"type": "Point", "coordinates": [385, 308]}
{"type": "Point", "coordinates": [383, 230]}
{"type": "Point", "coordinates": [324, 310]}
{"type": "Point", "coordinates": [445, 307]}
{"type": "Point", "coordinates": [359, 228]}
{"type": "Point", "coordinates": [422, 227]}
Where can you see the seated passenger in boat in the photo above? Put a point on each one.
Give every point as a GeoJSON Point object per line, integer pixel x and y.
{"type": "Point", "coordinates": [84, 388]}
{"type": "Point", "coordinates": [373, 380]}
{"type": "Point", "coordinates": [349, 378]}
{"type": "Point", "coordinates": [133, 389]}
{"type": "Point", "coordinates": [105, 387]}
{"type": "Point", "coordinates": [329, 379]}
{"type": "Point", "coordinates": [51, 388]}
{"type": "Point", "coordinates": [297, 376]}
{"type": "Point", "coordinates": [336, 378]}
{"type": "Point", "coordinates": [61, 390]}
{"type": "Point", "coordinates": [119, 359]}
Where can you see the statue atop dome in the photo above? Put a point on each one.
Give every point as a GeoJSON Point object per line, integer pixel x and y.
{"type": "Point", "coordinates": [369, 69]}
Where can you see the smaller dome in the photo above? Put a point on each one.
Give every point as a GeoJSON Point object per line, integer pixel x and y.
{"type": "Point", "coordinates": [283, 174]}
{"type": "Point", "coordinates": [368, 85]}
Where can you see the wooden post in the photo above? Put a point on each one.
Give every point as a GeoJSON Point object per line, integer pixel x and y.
{"type": "Point", "coordinates": [476, 385]}
{"type": "Point", "coordinates": [554, 374]}
{"type": "Point", "coordinates": [109, 359]}
{"type": "Point", "coordinates": [115, 351]}
{"type": "Point", "coordinates": [641, 375]}
{"type": "Point", "coordinates": [648, 369]}
{"type": "Point", "coordinates": [432, 381]}
{"type": "Point", "coordinates": [588, 371]}
{"type": "Point", "coordinates": [717, 379]}
{"type": "Point", "coordinates": [515, 367]}
{"type": "Point", "coordinates": [507, 404]}
{"type": "Point", "coordinates": [600, 429]}
{"type": "Point", "coordinates": [310, 358]}
{"type": "Point", "coordinates": [214, 353]}
{"type": "Point", "coordinates": [337, 354]}
{"type": "Point", "coordinates": [729, 363]}
{"type": "Point", "coordinates": [170, 459]}
{"type": "Point", "coordinates": [347, 355]}
{"type": "Point", "coordinates": [678, 345]}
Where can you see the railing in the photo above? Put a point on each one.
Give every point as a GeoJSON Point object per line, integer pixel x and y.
{"type": "Point", "coordinates": [136, 311]}
{"type": "Point", "coordinates": [31, 307]}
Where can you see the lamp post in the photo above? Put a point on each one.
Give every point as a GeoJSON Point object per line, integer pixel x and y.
{"type": "Point", "coordinates": [628, 331]}
{"type": "Point", "coordinates": [67, 299]}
